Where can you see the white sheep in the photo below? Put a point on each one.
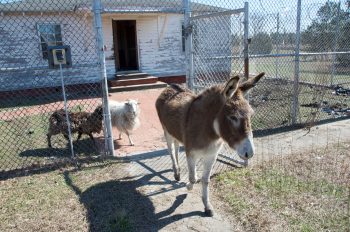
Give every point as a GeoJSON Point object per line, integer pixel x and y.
{"type": "Point", "coordinates": [125, 117]}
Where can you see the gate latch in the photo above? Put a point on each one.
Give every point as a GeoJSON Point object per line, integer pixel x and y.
{"type": "Point", "coordinates": [188, 30]}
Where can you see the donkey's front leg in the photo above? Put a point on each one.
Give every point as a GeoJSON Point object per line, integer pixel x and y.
{"type": "Point", "coordinates": [208, 163]}
{"type": "Point", "coordinates": [192, 172]}
{"type": "Point", "coordinates": [173, 149]}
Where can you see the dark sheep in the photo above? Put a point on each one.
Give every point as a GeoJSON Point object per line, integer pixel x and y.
{"type": "Point", "coordinates": [80, 122]}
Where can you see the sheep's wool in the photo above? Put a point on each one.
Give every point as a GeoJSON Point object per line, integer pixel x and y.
{"type": "Point", "coordinates": [125, 115]}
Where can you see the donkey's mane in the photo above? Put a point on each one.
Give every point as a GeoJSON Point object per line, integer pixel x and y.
{"type": "Point", "coordinates": [211, 94]}
{"type": "Point", "coordinates": [177, 88]}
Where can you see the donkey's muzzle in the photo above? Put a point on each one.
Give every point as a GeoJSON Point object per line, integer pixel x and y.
{"type": "Point", "coordinates": [246, 149]}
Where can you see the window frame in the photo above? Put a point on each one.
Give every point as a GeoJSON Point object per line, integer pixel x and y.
{"type": "Point", "coordinates": [42, 44]}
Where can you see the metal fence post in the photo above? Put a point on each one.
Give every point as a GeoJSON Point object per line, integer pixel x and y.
{"type": "Point", "coordinates": [103, 73]}
{"type": "Point", "coordinates": [295, 103]}
{"type": "Point", "coordinates": [277, 44]}
{"type": "Point", "coordinates": [335, 45]}
{"type": "Point", "coordinates": [188, 44]}
{"type": "Point", "coordinates": [70, 138]}
{"type": "Point", "coordinates": [246, 40]}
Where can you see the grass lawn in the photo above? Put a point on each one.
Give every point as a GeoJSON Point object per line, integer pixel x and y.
{"type": "Point", "coordinates": [312, 71]}
{"type": "Point", "coordinates": [309, 192]}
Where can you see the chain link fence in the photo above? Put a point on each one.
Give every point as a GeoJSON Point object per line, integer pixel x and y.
{"type": "Point", "coordinates": [55, 63]}
{"type": "Point", "coordinates": [36, 92]}
{"type": "Point", "coordinates": [302, 49]}
{"type": "Point", "coordinates": [217, 47]}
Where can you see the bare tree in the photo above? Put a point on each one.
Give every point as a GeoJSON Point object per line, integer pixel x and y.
{"type": "Point", "coordinates": [257, 22]}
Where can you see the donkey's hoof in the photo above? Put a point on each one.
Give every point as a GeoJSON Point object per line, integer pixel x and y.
{"type": "Point", "coordinates": [189, 186]}
{"type": "Point", "coordinates": [209, 212]}
{"type": "Point", "coordinates": [177, 177]}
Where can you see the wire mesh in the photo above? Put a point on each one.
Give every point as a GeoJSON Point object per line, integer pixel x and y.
{"type": "Point", "coordinates": [322, 66]}
{"type": "Point", "coordinates": [316, 77]}
{"type": "Point", "coordinates": [312, 75]}
{"type": "Point", "coordinates": [217, 48]}
{"type": "Point", "coordinates": [31, 92]}
{"type": "Point", "coordinates": [322, 69]}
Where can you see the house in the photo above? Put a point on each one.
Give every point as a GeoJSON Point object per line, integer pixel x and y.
{"type": "Point", "coordinates": [141, 36]}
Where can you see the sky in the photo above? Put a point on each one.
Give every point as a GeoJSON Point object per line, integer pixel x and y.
{"type": "Point", "coordinates": [267, 10]}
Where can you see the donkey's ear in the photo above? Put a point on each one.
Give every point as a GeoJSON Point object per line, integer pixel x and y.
{"type": "Point", "coordinates": [230, 87]}
{"type": "Point", "coordinates": [247, 85]}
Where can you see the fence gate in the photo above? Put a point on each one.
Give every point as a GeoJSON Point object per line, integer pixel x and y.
{"type": "Point", "coordinates": [217, 47]}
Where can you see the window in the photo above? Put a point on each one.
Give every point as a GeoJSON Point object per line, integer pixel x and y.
{"type": "Point", "coordinates": [50, 35]}
{"type": "Point", "coordinates": [183, 37]}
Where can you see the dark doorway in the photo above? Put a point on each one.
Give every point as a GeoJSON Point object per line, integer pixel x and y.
{"type": "Point", "coordinates": [125, 45]}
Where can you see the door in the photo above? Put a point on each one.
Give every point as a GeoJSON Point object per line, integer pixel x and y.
{"type": "Point", "coordinates": [125, 45]}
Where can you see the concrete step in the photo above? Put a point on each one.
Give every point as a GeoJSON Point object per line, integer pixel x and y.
{"type": "Point", "coordinates": [155, 85]}
{"type": "Point", "coordinates": [133, 81]}
{"type": "Point", "coordinates": [125, 76]}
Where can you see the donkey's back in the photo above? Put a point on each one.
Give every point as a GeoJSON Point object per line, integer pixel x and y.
{"type": "Point", "coordinates": [172, 106]}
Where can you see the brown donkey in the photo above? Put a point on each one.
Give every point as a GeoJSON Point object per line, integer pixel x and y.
{"type": "Point", "coordinates": [203, 122]}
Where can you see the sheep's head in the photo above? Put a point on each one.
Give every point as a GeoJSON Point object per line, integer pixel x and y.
{"type": "Point", "coordinates": [98, 113]}
{"type": "Point", "coordinates": [133, 107]}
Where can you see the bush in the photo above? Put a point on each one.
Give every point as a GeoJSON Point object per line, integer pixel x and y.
{"type": "Point", "coordinates": [344, 45]}
{"type": "Point", "coordinates": [261, 44]}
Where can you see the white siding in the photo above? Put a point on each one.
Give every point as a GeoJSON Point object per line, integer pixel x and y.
{"type": "Point", "coordinates": [159, 43]}
{"type": "Point", "coordinates": [20, 51]}
{"type": "Point", "coordinates": [19, 37]}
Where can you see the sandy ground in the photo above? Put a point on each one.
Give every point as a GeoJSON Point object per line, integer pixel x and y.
{"type": "Point", "coordinates": [175, 208]}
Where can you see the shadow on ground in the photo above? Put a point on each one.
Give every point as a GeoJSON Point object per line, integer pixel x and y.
{"type": "Point", "coordinates": [43, 160]}
{"type": "Point", "coordinates": [118, 206]}
{"type": "Point", "coordinates": [85, 147]}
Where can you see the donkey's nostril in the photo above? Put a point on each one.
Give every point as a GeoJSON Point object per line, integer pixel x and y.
{"type": "Point", "coordinates": [246, 155]}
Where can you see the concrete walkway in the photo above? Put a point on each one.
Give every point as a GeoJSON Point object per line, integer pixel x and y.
{"type": "Point", "coordinates": [302, 141]}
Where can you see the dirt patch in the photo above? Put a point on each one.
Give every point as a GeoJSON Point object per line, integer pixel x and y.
{"type": "Point", "coordinates": [271, 100]}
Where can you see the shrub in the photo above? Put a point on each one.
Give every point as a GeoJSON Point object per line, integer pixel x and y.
{"type": "Point", "coordinates": [261, 44]}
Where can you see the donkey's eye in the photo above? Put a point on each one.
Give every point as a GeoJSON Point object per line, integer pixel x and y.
{"type": "Point", "coordinates": [233, 118]}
